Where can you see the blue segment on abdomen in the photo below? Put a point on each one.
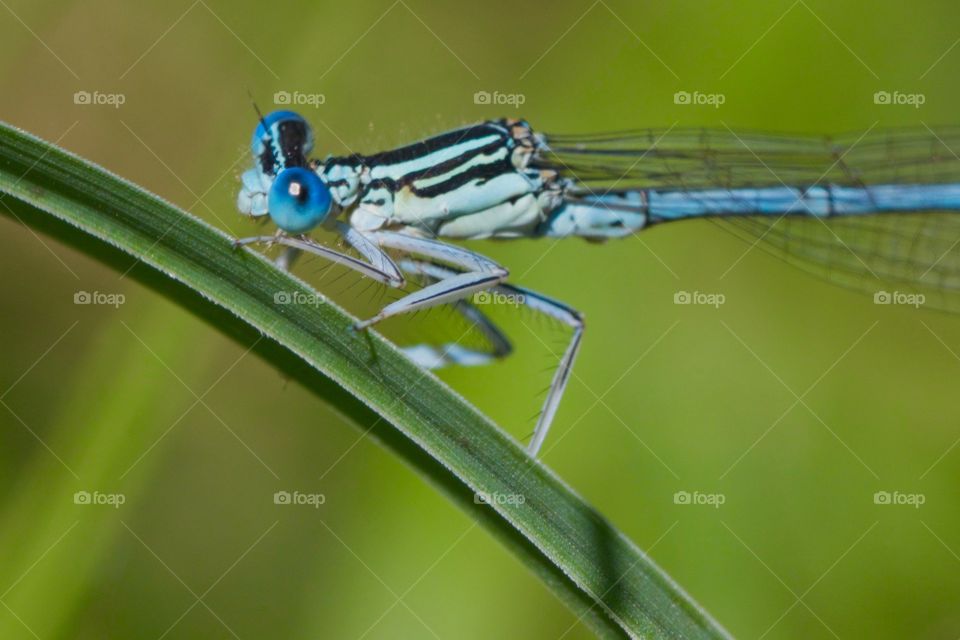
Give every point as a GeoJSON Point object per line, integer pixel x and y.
{"type": "Point", "coordinates": [818, 201]}
{"type": "Point", "coordinates": [623, 213]}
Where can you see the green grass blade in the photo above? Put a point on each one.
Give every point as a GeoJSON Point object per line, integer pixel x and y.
{"type": "Point", "coordinates": [594, 568]}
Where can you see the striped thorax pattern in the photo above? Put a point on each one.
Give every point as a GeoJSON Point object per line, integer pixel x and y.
{"type": "Point", "coordinates": [471, 182]}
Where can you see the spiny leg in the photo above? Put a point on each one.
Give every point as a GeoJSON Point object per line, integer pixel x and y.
{"type": "Point", "coordinates": [549, 307]}
{"type": "Point", "coordinates": [377, 264]}
{"type": "Point", "coordinates": [472, 272]}
{"type": "Point", "coordinates": [453, 354]}
{"type": "Point", "coordinates": [573, 319]}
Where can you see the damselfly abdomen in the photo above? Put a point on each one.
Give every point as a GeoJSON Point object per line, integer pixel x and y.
{"type": "Point", "coordinates": [860, 209]}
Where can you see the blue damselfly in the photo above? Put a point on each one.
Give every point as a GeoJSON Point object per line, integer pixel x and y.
{"type": "Point", "coordinates": [858, 209]}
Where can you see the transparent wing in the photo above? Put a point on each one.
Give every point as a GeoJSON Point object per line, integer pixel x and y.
{"type": "Point", "coordinates": [892, 252]}
{"type": "Point", "coordinates": [885, 255]}
{"type": "Point", "coordinates": [711, 158]}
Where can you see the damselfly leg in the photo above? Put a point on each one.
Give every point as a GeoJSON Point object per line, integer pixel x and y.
{"type": "Point", "coordinates": [376, 263]}
{"type": "Point", "coordinates": [571, 318]}
{"type": "Point", "coordinates": [474, 273]}
{"type": "Point", "coordinates": [455, 355]}
{"type": "Point", "coordinates": [468, 273]}
{"type": "Point", "coordinates": [431, 356]}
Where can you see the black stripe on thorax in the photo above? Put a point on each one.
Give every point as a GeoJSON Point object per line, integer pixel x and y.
{"type": "Point", "coordinates": [436, 143]}
{"type": "Point", "coordinates": [481, 172]}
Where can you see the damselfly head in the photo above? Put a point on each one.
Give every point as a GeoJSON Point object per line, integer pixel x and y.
{"type": "Point", "coordinates": [281, 140]}
{"type": "Point", "coordinates": [298, 200]}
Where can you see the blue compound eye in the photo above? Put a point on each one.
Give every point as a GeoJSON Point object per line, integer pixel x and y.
{"type": "Point", "coordinates": [298, 200]}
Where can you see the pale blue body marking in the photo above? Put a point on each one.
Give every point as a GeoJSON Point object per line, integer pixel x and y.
{"type": "Point", "coordinates": [621, 214]}
{"type": "Point", "coordinates": [819, 201]}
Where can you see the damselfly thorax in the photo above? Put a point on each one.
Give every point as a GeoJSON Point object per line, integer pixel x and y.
{"type": "Point", "coordinates": [815, 201]}
{"type": "Point", "coordinates": [474, 182]}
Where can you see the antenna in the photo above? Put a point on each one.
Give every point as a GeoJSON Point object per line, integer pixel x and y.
{"type": "Point", "coordinates": [263, 122]}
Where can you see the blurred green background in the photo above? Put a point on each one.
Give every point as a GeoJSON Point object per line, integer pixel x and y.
{"type": "Point", "coordinates": [795, 400]}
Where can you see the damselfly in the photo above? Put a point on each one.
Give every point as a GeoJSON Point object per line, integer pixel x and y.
{"type": "Point", "coordinates": [858, 209]}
